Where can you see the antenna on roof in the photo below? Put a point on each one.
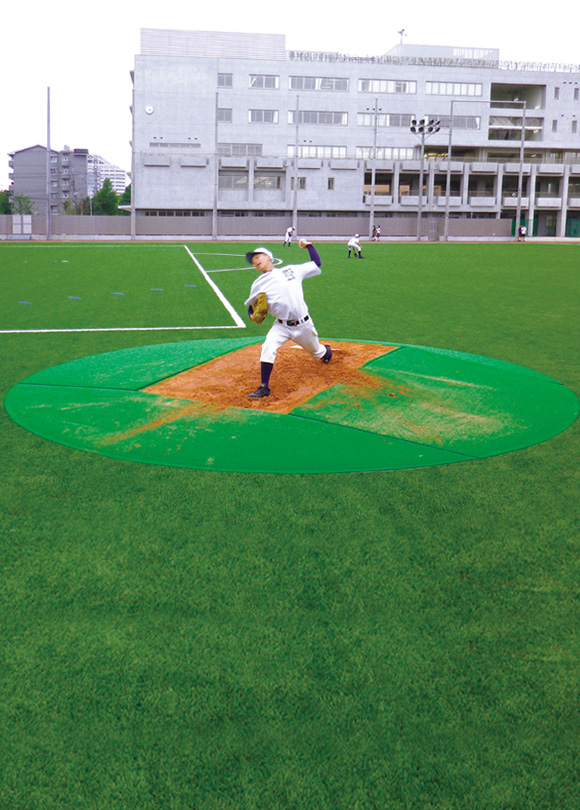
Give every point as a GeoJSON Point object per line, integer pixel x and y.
{"type": "Point", "coordinates": [402, 34]}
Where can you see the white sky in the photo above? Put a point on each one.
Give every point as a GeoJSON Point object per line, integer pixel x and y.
{"type": "Point", "coordinates": [85, 53]}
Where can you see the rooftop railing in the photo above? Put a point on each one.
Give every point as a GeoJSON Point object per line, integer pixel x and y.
{"type": "Point", "coordinates": [431, 61]}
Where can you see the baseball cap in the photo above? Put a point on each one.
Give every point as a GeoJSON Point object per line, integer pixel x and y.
{"type": "Point", "coordinates": [252, 253]}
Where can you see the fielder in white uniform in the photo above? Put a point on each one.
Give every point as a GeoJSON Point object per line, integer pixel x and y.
{"type": "Point", "coordinates": [354, 246]}
{"type": "Point", "coordinates": [288, 236]}
{"type": "Point", "coordinates": [283, 289]}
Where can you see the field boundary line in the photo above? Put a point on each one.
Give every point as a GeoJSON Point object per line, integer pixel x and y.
{"type": "Point", "coordinates": [238, 322]}
{"type": "Point", "coordinates": [236, 318]}
{"type": "Point", "coordinates": [114, 329]}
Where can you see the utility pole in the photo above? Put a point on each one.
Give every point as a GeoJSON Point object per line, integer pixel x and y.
{"type": "Point", "coordinates": [48, 182]}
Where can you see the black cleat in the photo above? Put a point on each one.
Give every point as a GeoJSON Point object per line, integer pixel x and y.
{"type": "Point", "coordinates": [328, 356]}
{"type": "Point", "coordinates": [262, 391]}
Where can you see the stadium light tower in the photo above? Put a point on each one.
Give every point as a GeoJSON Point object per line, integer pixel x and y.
{"type": "Point", "coordinates": [423, 128]}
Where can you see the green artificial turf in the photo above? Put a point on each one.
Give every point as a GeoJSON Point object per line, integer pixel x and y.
{"type": "Point", "coordinates": [179, 639]}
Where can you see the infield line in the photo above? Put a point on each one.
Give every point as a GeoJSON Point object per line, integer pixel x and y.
{"type": "Point", "coordinates": [236, 318]}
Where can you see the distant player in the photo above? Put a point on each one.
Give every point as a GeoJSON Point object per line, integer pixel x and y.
{"type": "Point", "coordinates": [282, 287]}
{"type": "Point", "coordinates": [354, 247]}
{"type": "Point", "coordinates": [289, 234]}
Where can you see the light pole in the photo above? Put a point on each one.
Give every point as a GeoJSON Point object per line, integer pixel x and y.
{"type": "Point", "coordinates": [296, 147]}
{"type": "Point", "coordinates": [423, 128]}
{"type": "Point", "coordinates": [374, 110]}
{"type": "Point", "coordinates": [521, 172]}
{"type": "Point", "coordinates": [48, 182]}
{"type": "Point", "coordinates": [216, 177]}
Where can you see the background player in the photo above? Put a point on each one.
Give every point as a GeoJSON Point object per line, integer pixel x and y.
{"type": "Point", "coordinates": [283, 289]}
{"type": "Point", "coordinates": [288, 237]}
{"type": "Point", "coordinates": [354, 247]}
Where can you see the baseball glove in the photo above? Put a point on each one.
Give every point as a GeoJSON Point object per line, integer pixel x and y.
{"type": "Point", "coordinates": [303, 242]}
{"type": "Point", "coordinates": [259, 308]}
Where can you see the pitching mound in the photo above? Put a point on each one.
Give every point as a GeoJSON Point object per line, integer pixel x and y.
{"type": "Point", "coordinates": [375, 406]}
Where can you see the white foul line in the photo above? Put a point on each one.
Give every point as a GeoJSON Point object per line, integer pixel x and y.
{"type": "Point", "coordinates": [236, 318]}
{"type": "Point", "coordinates": [238, 322]}
{"type": "Point", "coordinates": [113, 329]}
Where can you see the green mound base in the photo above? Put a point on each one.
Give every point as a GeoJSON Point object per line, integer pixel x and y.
{"type": "Point", "coordinates": [426, 407]}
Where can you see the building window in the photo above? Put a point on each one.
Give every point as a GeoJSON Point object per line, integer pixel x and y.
{"type": "Point", "coordinates": [263, 116]}
{"type": "Point", "coordinates": [301, 183]}
{"type": "Point", "coordinates": [554, 125]}
{"type": "Point", "coordinates": [574, 127]}
{"type": "Point", "coordinates": [268, 182]}
{"type": "Point", "coordinates": [453, 89]}
{"type": "Point", "coordinates": [459, 121]}
{"type": "Point", "coordinates": [224, 115]}
{"type": "Point", "coordinates": [264, 82]}
{"type": "Point", "coordinates": [384, 153]}
{"type": "Point", "coordinates": [383, 120]}
{"type": "Point", "coordinates": [556, 93]}
{"type": "Point", "coordinates": [331, 183]}
{"type": "Point", "coordinates": [321, 83]}
{"type": "Point", "coordinates": [323, 152]}
{"type": "Point", "coordinates": [239, 149]}
{"type": "Point", "coordinates": [576, 94]}
{"type": "Point", "coordinates": [333, 119]}
{"type": "Point", "coordinates": [386, 86]}
{"type": "Point", "coordinates": [225, 79]}
{"type": "Point", "coordinates": [233, 181]}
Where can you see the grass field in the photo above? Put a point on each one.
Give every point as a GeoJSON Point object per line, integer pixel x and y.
{"type": "Point", "coordinates": [175, 640]}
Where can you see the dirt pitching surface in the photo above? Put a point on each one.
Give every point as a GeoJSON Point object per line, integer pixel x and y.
{"type": "Point", "coordinates": [226, 381]}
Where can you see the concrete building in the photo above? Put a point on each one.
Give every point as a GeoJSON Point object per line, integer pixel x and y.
{"type": "Point", "coordinates": [236, 126]}
{"type": "Point", "coordinates": [75, 174]}
{"type": "Point", "coordinates": [99, 170]}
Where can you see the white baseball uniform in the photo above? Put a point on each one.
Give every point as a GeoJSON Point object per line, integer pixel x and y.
{"type": "Point", "coordinates": [283, 289]}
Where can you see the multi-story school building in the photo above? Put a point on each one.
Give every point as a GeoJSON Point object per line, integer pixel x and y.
{"type": "Point", "coordinates": [236, 129]}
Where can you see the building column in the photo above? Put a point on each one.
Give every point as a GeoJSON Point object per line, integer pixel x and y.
{"type": "Point", "coordinates": [531, 197]}
{"type": "Point", "coordinates": [396, 179]}
{"type": "Point", "coordinates": [564, 197]}
{"type": "Point", "coordinates": [465, 188]}
{"type": "Point", "coordinates": [251, 168]}
{"type": "Point", "coordinates": [499, 189]}
{"type": "Point", "coordinates": [430, 184]}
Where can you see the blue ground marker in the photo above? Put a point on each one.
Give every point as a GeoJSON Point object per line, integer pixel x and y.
{"type": "Point", "coordinates": [117, 293]}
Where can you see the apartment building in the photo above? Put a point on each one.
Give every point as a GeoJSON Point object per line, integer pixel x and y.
{"type": "Point", "coordinates": [235, 125]}
{"type": "Point", "coordinates": [75, 174]}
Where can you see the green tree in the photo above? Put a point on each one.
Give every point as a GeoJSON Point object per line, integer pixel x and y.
{"type": "Point", "coordinates": [125, 200]}
{"type": "Point", "coordinates": [22, 205]}
{"type": "Point", "coordinates": [5, 204]}
{"type": "Point", "coordinates": [78, 207]}
{"type": "Point", "coordinates": [105, 201]}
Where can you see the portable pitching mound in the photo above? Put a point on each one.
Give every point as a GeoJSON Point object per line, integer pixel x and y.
{"type": "Point", "coordinates": [374, 407]}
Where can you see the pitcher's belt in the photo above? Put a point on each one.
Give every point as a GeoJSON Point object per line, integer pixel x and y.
{"type": "Point", "coordinates": [294, 323]}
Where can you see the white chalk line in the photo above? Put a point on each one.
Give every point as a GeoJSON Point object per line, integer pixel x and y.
{"type": "Point", "coordinates": [238, 322]}
{"type": "Point", "coordinates": [235, 317]}
{"type": "Point", "coordinates": [114, 329]}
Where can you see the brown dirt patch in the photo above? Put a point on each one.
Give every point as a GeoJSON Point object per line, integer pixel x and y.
{"type": "Point", "coordinates": [226, 381]}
